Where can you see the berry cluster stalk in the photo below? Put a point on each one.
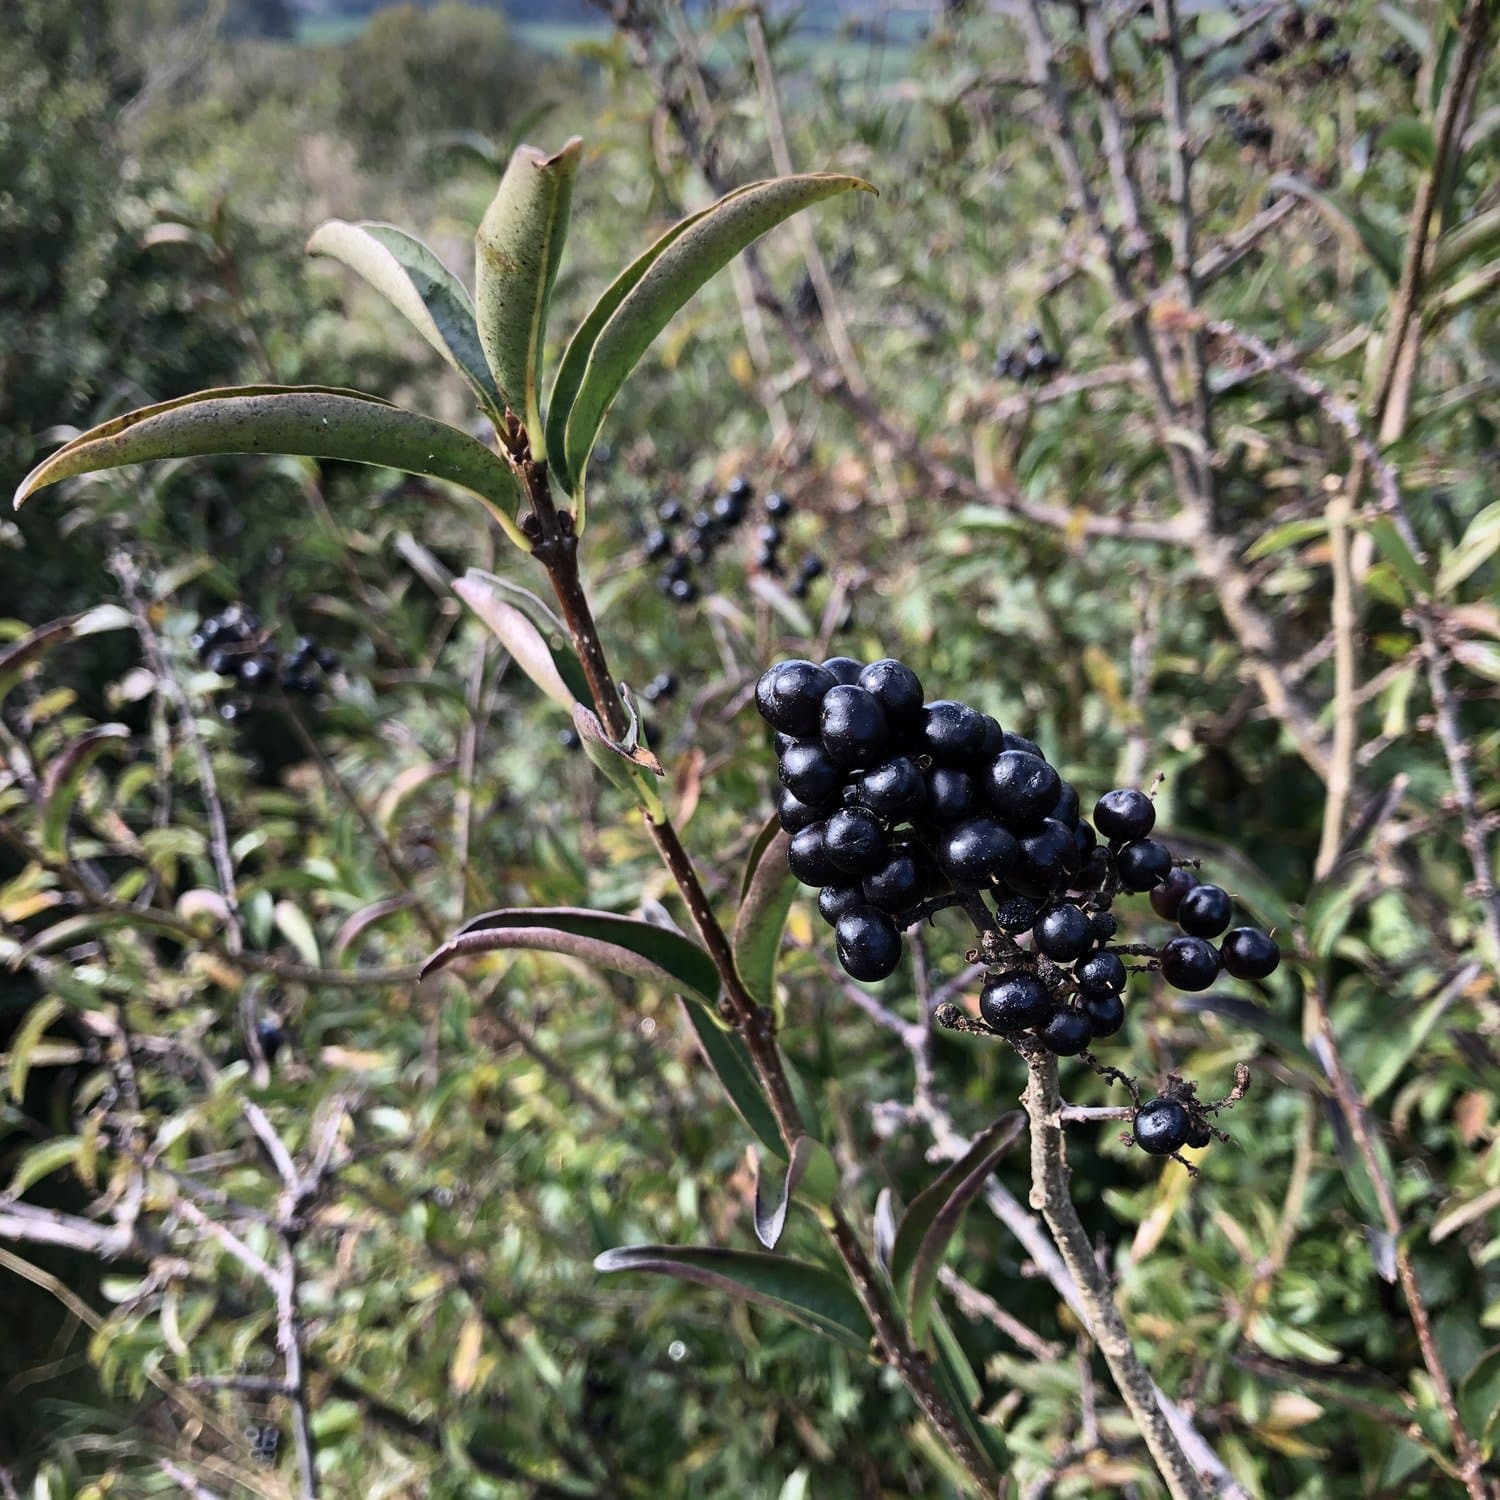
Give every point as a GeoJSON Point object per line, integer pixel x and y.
{"type": "Point", "coordinates": [555, 546]}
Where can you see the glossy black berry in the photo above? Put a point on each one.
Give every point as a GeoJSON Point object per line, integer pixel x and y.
{"type": "Point", "coordinates": [1021, 787]}
{"type": "Point", "coordinates": [1106, 1013]}
{"type": "Point", "coordinates": [950, 795]}
{"type": "Point", "coordinates": [790, 696]}
{"type": "Point", "coordinates": [1015, 1002]}
{"type": "Point", "coordinates": [896, 688]}
{"type": "Point", "coordinates": [669, 512]}
{"type": "Point", "coordinates": [1063, 933]}
{"type": "Point", "coordinates": [1092, 874]}
{"type": "Point", "coordinates": [1143, 864]}
{"type": "Point", "coordinates": [807, 857]}
{"type": "Point", "coordinates": [728, 511]}
{"type": "Point", "coordinates": [845, 669]}
{"type": "Point", "coordinates": [869, 947]}
{"type": "Point", "coordinates": [776, 505]}
{"type": "Point", "coordinates": [1066, 809]}
{"type": "Point", "coordinates": [209, 630]}
{"type": "Point", "coordinates": [569, 739]}
{"type": "Point", "coordinates": [1189, 963]}
{"type": "Point", "coordinates": [303, 684]}
{"type": "Point", "coordinates": [834, 901]}
{"type": "Point", "coordinates": [853, 726]}
{"type": "Point", "coordinates": [974, 853]}
{"type": "Point", "coordinates": [1067, 1033]}
{"type": "Point", "coordinates": [1015, 914]}
{"type": "Point", "coordinates": [994, 739]}
{"type": "Point", "coordinates": [1199, 1135]}
{"type": "Point", "coordinates": [740, 489]}
{"type": "Point", "coordinates": [222, 662]}
{"type": "Point", "coordinates": [1249, 953]}
{"type": "Point", "coordinates": [683, 591]}
{"type": "Point", "coordinates": [895, 790]}
{"type": "Point", "coordinates": [657, 544]}
{"type": "Point", "coordinates": [953, 734]}
{"type": "Point", "coordinates": [1100, 974]}
{"type": "Point", "coordinates": [1124, 814]}
{"type": "Point", "coordinates": [811, 567]}
{"type": "Point", "coordinates": [1204, 911]}
{"type": "Point", "coordinates": [1161, 1127]}
{"type": "Point", "coordinates": [1043, 860]}
{"type": "Point", "coordinates": [855, 841]}
{"type": "Point", "coordinates": [795, 814]}
{"type": "Point", "coordinates": [806, 771]}
{"type": "Point", "coordinates": [1167, 897]}
{"type": "Point", "coordinates": [896, 885]}
{"type": "Point", "coordinates": [1014, 741]}
{"type": "Point", "coordinates": [256, 671]}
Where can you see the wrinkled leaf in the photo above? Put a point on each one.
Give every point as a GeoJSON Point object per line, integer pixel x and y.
{"type": "Point", "coordinates": [816, 1297]}
{"type": "Point", "coordinates": [420, 287]}
{"type": "Point", "coordinates": [634, 772]}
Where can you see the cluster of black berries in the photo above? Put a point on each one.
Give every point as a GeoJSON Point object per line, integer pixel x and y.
{"type": "Point", "coordinates": [899, 808]}
{"type": "Point", "coordinates": [1035, 362]}
{"type": "Point", "coordinates": [1247, 128]}
{"type": "Point", "coordinates": [234, 644]}
{"type": "Point", "coordinates": [706, 533]}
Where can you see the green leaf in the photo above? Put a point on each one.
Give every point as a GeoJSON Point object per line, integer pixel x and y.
{"type": "Point", "coordinates": [767, 896]}
{"type": "Point", "coordinates": [1393, 549]}
{"type": "Point", "coordinates": [1481, 233]}
{"type": "Point", "coordinates": [729, 1058]}
{"type": "Point", "coordinates": [420, 287]}
{"type": "Point", "coordinates": [517, 252]}
{"type": "Point", "coordinates": [816, 1297]}
{"type": "Point", "coordinates": [1288, 534]}
{"type": "Point", "coordinates": [811, 1175]}
{"type": "Point", "coordinates": [1476, 547]}
{"type": "Point", "coordinates": [291, 922]}
{"type": "Point", "coordinates": [646, 295]}
{"type": "Point", "coordinates": [1412, 138]}
{"type": "Point", "coordinates": [41, 1161]}
{"type": "Point", "coordinates": [64, 780]}
{"type": "Point", "coordinates": [314, 421]}
{"type": "Point", "coordinates": [601, 938]}
{"type": "Point", "coordinates": [18, 656]}
{"type": "Point", "coordinates": [634, 772]}
{"type": "Point", "coordinates": [1479, 1400]}
{"type": "Point", "coordinates": [518, 623]}
{"type": "Point", "coordinates": [1347, 220]}
{"type": "Point", "coordinates": [930, 1223]}
{"type": "Point", "coordinates": [27, 1035]}
{"type": "Point", "coordinates": [959, 1384]}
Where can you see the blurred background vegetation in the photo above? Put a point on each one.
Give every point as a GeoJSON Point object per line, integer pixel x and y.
{"type": "Point", "coordinates": [161, 164]}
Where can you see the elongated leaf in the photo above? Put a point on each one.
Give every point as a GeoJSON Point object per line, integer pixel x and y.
{"type": "Point", "coordinates": [670, 280]}
{"type": "Point", "coordinates": [1476, 547]}
{"type": "Point", "coordinates": [17, 657]}
{"type": "Point", "coordinates": [1288, 534]}
{"type": "Point", "coordinates": [959, 1384]}
{"type": "Point", "coordinates": [1394, 550]}
{"type": "Point", "coordinates": [1411, 137]}
{"type": "Point", "coordinates": [635, 772]}
{"type": "Point", "coordinates": [1479, 234]}
{"type": "Point", "coordinates": [934, 1216]}
{"type": "Point", "coordinates": [769, 891]}
{"type": "Point", "coordinates": [729, 1058]}
{"type": "Point", "coordinates": [517, 252]}
{"type": "Point", "coordinates": [554, 632]}
{"type": "Point", "coordinates": [24, 1041]}
{"type": "Point", "coordinates": [601, 938]}
{"type": "Point", "coordinates": [421, 288]}
{"type": "Point", "coordinates": [811, 1174]}
{"type": "Point", "coordinates": [64, 779]}
{"type": "Point", "coordinates": [1347, 220]}
{"type": "Point", "coordinates": [41, 1161]}
{"type": "Point", "coordinates": [314, 421]}
{"type": "Point", "coordinates": [823, 1301]}
{"type": "Point", "coordinates": [515, 630]}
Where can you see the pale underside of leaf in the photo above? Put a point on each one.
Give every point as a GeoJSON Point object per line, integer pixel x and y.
{"type": "Point", "coordinates": [420, 287]}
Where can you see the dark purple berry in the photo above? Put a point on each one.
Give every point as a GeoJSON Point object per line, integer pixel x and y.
{"type": "Point", "coordinates": [1167, 897]}
{"type": "Point", "coordinates": [740, 489]}
{"type": "Point", "coordinates": [1067, 809]}
{"type": "Point", "coordinates": [790, 696]}
{"type": "Point", "coordinates": [976, 852]}
{"type": "Point", "coordinates": [1043, 861]}
{"type": "Point", "coordinates": [222, 662]}
{"type": "Point", "coordinates": [669, 512]}
{"type": "Point", "coordinates": [896, 688]}
{"type": "Point", "coordinates": [1249, 953]}
{"type": "Point", "coordinates": [1124, 814]}
{"type": "Point", "coordinates": [1204, 911]}
{"type": "Point", "coordinates": [950, 795]}
{"type": "Point", "coordinates": [1021, 787]}
{"type": "Point", "coordinates": [1105, 926]}
{"type": "Point", "coordinates": [1100, 974]}
{"type": "Point", "coordinates": [1063, 933]}
{"type": "Point", "coordinates": [1014, 741]}
{"type": "Point", "coordinates": [869, 947]}
{"type": "Point", "coordinates": [810, 567]}
{"type": "Point", "coordinates": [1015, 1002]}
{"type": "Point", "coordinates": [657, 544]}
{"type": "Point", "coordinates": [1199, 1135]}
{"type": "Point", "coordinates": [1143, 864]}
{"type": "Point", "coordinates": [855, 841]}
{"type": "Point", "coordinates": [1092, 873]}
{"type": "Point", "coordinates": [1189, 963]}
{"type": "Point", "coordinates": [1067, 1033]}
{"type": "Point", "coordinates": [683, 591]}
{"type": "Point", "coordinates": [844, 668]}
{"type": "Point", "coordinates": [1106, 1013]}
{"type": "Point", "coordinates": [256, 671]}
{"type": "Point", "coordinates": [896, 885]}
{"type": "Point", "coordinates": [806, 771]}
{"type": "Point", "coordinates": [895, 790]}
{"type": "Point", "coordinates": [807, 857]}
{"type": "Point", "coordinates": [1015, 914]}
{"type": "Point", "coordinates": [836, 900]}
{"type": "Point", "coordinates": [1161, 1127]}
{"type": "Point", "coordinates": [853, 726]}
{"type": "Point", "coordinates": [777, 505]}
{"type": "Point", "coordinates": [953, 734]}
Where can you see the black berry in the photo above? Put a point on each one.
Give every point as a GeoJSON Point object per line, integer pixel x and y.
{"type": "Point", "coordinates": [777, 505]}
{"type": "Point", "coordinates": [1143, 864]}
{"type": "Point", "coordinates": [1249, 953]}
{"type": "Point", "coordinates": [790, 696]}
{"type": "Point", "coordinates": [1021, 787]}
{"type": "Point", "coordinates": [976, 852]}
{"type": "Point", "coordinates": [855, 841]}
{"type": "Point", "coordinates": [1204, 911]}
{"type": "Point", "coordinates": [1063, 933]}
{"type": "Point", "coordinates": [1015, 1002]}
{"type": "Point", "coordinates": [1167, 897]}
{"type": "Point", "coordinates": [1124, 814]}
{"type": "Point", "coordinates": [853, 726]}
{"type": "Point", "coordinates": [1015, 914]}
{"type": "Point", "coordinates": [1106, 1013]}
{"type": "Point", "coordinates": [896, 688]}
{"type": "Point", "coordinates": [806, 771]}
{"type": "Point", "coordinates": [795, 814]}
{"type": "Point", "coordinates": [950, 795]}
{"type": "Point", "coordinates": [807, 857]}
{"type": "Point", "coordinates": [1161, 1127]}
{"type": "Point", "coordinates": [844, 668]}
{"type": "Point", "coordinates": [896, 885]}
{"type": "Point", "coordinates": [1199, 1135]}
{"type": "Point", "coordinates": [952, 733]}
{"type": "Point", "coordinates": [869, 947]}
{"type": "Point", "coordinates": [834, 901]}
{"type": "Point", "coordinates": [1189, 963]}
{"type": "Point", "coordinates": [894, 790]}
{"type": "Point", "coordinates": [1100, 974]}
{"type": "Point", "coordinates": [1067, 1033]}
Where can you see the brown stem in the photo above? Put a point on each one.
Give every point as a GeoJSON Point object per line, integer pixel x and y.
{"type": "Point", "coordinates": [1049, 1194]}
{"type": "Point", "coordinates": [557, 550]}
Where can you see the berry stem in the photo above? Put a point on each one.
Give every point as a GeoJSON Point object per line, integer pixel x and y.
{"type": "Point", "coordinates": [556, 548]}
{"type": "Point", "coordinates": [1049, 1195]}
